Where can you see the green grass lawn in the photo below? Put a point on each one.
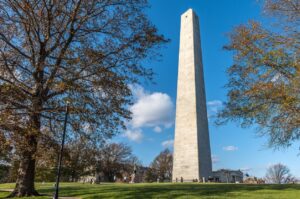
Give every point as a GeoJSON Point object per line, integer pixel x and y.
{"type": "Point", "coordinates": [182, 191]}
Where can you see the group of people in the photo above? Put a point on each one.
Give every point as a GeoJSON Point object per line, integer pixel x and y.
{"type": "Point", "coordinates": [181, 179]}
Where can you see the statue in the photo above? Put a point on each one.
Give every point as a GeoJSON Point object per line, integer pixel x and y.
{"type": "Point", "coordinates": [133, 174]}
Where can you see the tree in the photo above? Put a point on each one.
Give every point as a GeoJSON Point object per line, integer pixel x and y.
{"type": "Point", "coordinates": [150, 175]}
{"type": "Point", "coordinates": [46, 159]}
{"type": "Point", "coordinates": [5, 150]}
{"type": "Point", "coordinates": [80, 156]}
{"type": "Point", "coordinates": [5, 159]}
{"type": "Point", "coordinates": [279, 174]}
{"type": "Point", "coordinates": [264, 80]}
{"type": "Point", "coordinates": [4, 169]}
{"type": "Point", "coordinates": [161, 167]}
{"type": "Point", "coordinates": [85, 52]}
{"type": "Point", "coordinates": [254, 180]}
{"type": "Point", "coordinates": [115, 159]}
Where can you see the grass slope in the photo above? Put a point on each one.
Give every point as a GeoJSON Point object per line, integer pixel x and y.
{"type": "Point", "coordinates": [160, 191]}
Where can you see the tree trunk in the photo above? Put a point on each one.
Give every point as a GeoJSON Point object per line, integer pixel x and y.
{"type": "Point", "coordinates": [26, 172]}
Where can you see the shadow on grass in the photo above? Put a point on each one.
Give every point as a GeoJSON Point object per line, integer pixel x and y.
{"type": "Point", "coordinates": [168, 190]}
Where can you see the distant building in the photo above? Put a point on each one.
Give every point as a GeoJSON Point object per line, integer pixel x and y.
{"type": "Point", "coordinates": [228, 176]}
{"type": "Point", "coordinates": [137, 175]}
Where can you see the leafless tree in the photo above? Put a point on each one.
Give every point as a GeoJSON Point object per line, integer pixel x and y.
{"type": "Point", "coordinates": [279, 174]}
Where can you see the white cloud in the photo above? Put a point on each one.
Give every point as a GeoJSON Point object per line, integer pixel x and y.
{"type": "Point", "coordinates": [134, 135]}
{"type": "Point", "coordinates": [230, 148]}
{"type": "Point", "coordinates": [215, 103]}
{"type": "Point", "coordinates": [137, 91]}
{"type": "Point", "coordinates": [154, 110]}
{"type": "Point", "coordinates": [214, 106]}
{"type": "Point", "coordinates": [168, 144]}
{"type": "Point", "coordinates": [215, 159]}
{"type": "Point", "coordinates": [246, 169]}
{"type": "Point", "coordinates": [157, 129]}
{"type": "Point", "coordinates": [151, 109]}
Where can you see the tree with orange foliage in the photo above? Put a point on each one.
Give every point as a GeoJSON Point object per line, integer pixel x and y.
{"type": "Point", "coordinates": [85, 52]}
{"type": "Point", "coordinates": [264, 80]}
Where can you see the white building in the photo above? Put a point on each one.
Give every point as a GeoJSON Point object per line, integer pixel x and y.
{"type": "Point", "coordinates": [228, 176]}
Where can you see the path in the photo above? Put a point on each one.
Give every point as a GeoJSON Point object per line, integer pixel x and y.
{"type": "Point", "coordinates": [10, 190]}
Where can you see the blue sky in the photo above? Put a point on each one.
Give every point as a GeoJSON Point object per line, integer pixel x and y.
{"type": "Point", "coordinates": [152, 128]}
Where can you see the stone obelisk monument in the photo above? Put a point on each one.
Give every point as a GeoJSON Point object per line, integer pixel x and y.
{"type": "Point", "coordinates": [192, 156]}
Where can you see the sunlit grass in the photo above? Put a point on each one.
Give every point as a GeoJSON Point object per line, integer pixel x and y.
{"type": "Point", "coordinates": [167, 190]}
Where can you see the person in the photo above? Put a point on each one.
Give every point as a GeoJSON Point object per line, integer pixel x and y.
{"type": "Point", "coordinates": [176, 179]}
{"type": "Point", "coordinates": [134, 169]}
{"type": "Point", "coordinates": [181, 179]}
